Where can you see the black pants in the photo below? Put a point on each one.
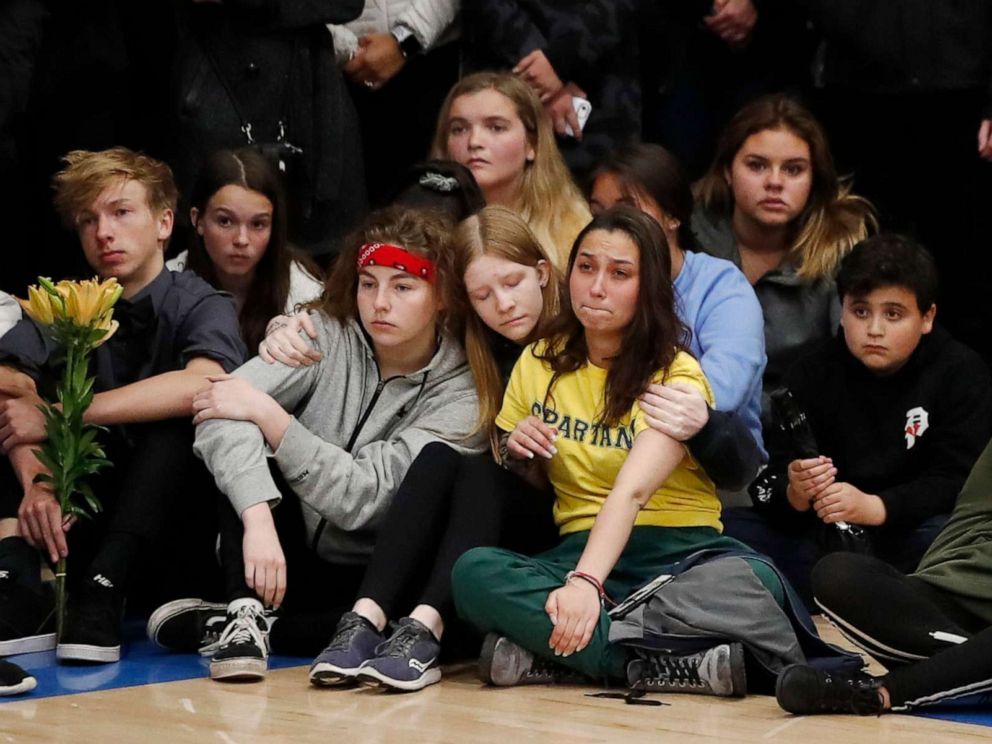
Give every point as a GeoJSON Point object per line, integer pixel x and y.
{"type": "Point", "coordinates": [398, 119]}
{"type": "Point", "coordinates": [317, 592]}
{"type": "Point", "coordinates": [895, 617]}
{"type": "Point", "coordinates": [446, 505]}
{"type": "Point", "coordinates": [796, 544]}
{"type": "Point", "coordinates": [156, 532]}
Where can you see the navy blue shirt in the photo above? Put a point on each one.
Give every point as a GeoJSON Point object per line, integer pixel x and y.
{"type": "Point", "coordinates": [176, 318]}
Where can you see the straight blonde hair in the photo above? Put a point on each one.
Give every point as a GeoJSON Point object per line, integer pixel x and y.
{"type": "Point", "coordinates": [549, 201]}
{"type": "Point", "coordinates": [500, 232]}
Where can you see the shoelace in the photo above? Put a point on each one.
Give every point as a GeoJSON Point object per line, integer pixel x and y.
{"type": "Point", "coordinates": [680, 670]}
{"type": "Point", "coordinates": [342, 639]}
{"type": "Point", "coordinates": [546, 669]}
{"type": "Point", "coordinates": [401, 642]}
{"type": "Point", "coordinates": [244, 628]}
{"type": "Point", "coordinates": [856, 694]}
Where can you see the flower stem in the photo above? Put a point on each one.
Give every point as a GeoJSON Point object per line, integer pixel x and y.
{"type": "Point", "coordinates": [59, 598]}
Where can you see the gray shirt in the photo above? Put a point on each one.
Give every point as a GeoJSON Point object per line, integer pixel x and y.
{"type": "Point", "coordinates": [799, 314]}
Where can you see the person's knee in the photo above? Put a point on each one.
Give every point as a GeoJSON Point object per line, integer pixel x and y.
{"type": "Point", "coordinates": [475, 576]}
{"type": "Point", "coordinates": [836, 578]}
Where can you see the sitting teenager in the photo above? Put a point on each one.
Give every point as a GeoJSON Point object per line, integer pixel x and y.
{"type": "Point", "coordinates": [442, 186]}
{"type": "Point", "coordinates": [932, 628]}
{"type": "Point", "coordinates": [715, 302]}
{"type": "Point", "coordinates": [175, 331]}
{"type": "Point", "coordinates": [895, 431]}
{"type": "Point", "coordinates": [10, 312]}
{"type": "Point", "coordinates": [773, 204]}
{"type": "Point", "coordinates": [339, 436]}
{"type": "Point", "coordinates": [493, 123]}
{"type": "Point", "coordinates": [629, 499]}
{"type": "Point", "coordinates": [508, 294]}
{"type": "Point", "coordinates": [239, 243]}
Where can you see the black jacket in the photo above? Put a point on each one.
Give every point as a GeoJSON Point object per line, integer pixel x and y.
{"type": "Point", "coordinates": [901, 46]}
{"type": "Point", "coordinates": [861, 420]}
{"type": "Point", "coordinates": [592, 43]}
{"type": "Point", "coordinates": [275, 59]}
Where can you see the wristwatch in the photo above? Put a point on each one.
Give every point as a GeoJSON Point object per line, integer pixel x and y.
{"type": "Point", "coordinates": [407, 40]}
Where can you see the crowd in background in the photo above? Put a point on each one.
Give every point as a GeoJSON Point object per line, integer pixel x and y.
{"type": "Point", "coordinates": [751, 151]}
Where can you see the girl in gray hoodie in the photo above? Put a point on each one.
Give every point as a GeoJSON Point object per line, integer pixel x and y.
{"type": "Point", "coordinates": [329, 444]}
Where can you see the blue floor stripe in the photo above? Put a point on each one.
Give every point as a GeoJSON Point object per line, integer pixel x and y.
{"type": "Point", "coordinates": [976, 709]}
{"type": "Point", "coordinates": [142, 663]}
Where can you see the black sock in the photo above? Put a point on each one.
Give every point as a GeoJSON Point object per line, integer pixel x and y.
{"type": "Point", "coordinates": [21, 562]}
{"type": "Point", "coordinates": [109, 567]}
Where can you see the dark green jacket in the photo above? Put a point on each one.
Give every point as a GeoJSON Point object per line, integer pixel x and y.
{"type": "Point", "coordinates": [960, 559]}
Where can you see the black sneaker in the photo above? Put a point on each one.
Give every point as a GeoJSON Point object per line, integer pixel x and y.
{"type": "Point", "coordinates": [715, 671]}
{"type": "Point", "coordinates": [92, 631]}
{"type": "Point", "coordinates": [242, 651]}
{"type": "Point", "coordinates": [14, 680]}
{"type": "Point", "coordinates": [406, 661]}
{"type": "Point", "coordinates": [505, 664]}
{"type": "Point", "coordinates": [27, 619]}
{"type": "Point", "coordinates": [187, 624]}
{"type": "Point", "coordinates": [805, 690]}
{"type": "Point", "coordinates": [354, 642]}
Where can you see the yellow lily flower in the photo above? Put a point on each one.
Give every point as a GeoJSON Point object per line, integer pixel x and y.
{"type": "Point", "coordinates": [38, 306]}
{"type": "Point", "coordinates": [89, 302]}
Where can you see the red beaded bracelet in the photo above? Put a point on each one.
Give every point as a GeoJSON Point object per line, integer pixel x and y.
{"type": "Point", "coordinates": [590, 579]}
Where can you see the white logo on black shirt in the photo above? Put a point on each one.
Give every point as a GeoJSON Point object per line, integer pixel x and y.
{"type": "Point", "coordinates": [917, 422]}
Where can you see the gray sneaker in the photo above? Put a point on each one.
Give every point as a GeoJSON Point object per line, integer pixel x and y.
{"type": "Point", "coordinates": [505, 664]}
{"type": "Point", "coordinates": [715, 671]}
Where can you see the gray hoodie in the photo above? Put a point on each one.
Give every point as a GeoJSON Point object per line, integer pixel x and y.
{"type": "Point", "coordinates": [351, 438]}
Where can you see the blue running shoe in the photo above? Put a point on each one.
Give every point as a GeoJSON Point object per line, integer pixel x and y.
{"type": "Point", "coordinates": [407, 661]}
{"type": "Point", "coordinates": [353, 643]}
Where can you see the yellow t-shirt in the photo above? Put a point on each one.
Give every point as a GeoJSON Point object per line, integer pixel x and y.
{"type": "Point", "coordinates": [590, 456]}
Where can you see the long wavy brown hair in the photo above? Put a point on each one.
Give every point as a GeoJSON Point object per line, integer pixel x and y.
{"type": "Point", "coordinates": [655, 334]}
{"type": "Point", "coordinates": [833, 219]}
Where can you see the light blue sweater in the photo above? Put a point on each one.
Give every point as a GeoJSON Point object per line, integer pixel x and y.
{"type": "Point", "coordinates": [718, 304]}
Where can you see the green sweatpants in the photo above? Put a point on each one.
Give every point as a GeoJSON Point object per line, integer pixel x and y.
{"type": "Point", "coordinates": [504, 592]}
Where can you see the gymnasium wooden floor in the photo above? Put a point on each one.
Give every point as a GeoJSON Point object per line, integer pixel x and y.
{"type": "Point", "coordinates": [285, 709]}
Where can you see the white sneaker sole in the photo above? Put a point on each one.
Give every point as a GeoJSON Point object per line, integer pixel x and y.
{"type": "Point", "coordinates": [335, 676]}
{"type": "Point", "coordinates": [177, 607]}
{"type": "Point", "coordinates": [28, 644]}
{"type": "Point", "coordinates": [87, 652]}
{"type": "Point", "coordinates": [25, 685]}
{"type": "Point", "coordinates": [371, 677]}
{"type": "Point", "coordinates": [239, 669]}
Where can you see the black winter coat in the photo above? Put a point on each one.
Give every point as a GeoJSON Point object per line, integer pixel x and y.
{"type": "Point", "coordinates": [275, 59]}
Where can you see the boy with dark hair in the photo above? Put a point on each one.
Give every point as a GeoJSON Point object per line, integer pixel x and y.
{"type": "Point", "coordinates": [899, 412]}
{"type": "Point", "coordinates": [175, 331]}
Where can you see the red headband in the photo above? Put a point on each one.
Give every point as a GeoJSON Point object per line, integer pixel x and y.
{"type": "Point", "coordinates": [396, 257]}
